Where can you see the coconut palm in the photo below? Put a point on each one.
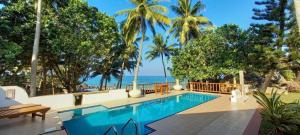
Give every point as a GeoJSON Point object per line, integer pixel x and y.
{"type": "Point", "coordinates": [35, 51]}
{"type": "Point", "coordinates": [187, 25]}
{"type": "Point", "coordinates": [159, 48]}
{"type": "Point", "coordinates": [128, 56]}
{"type": "Point", "coordinates": [146, 13]}
{"type": "Point", "coordinates": [107, 68]}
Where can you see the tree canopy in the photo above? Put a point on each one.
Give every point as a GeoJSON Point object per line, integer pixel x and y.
{"type": "Point", "coordinates": [75, 38]}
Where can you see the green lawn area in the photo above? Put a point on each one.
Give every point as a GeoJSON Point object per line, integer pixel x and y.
{"type": "Point", "coordinates": [289, 98]}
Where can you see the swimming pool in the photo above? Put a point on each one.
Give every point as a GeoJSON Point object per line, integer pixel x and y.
{"type": "Point", "coordinates": [96, 120]}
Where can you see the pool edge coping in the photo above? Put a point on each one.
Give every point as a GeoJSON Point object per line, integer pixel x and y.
{"type": "Point", "coordinates": [147, 124]}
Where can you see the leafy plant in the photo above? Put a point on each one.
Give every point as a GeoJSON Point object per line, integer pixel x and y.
{"type": "Point", "coordinates": [280, 116]}
{"type": "Point", "coordinates": [288, 75]}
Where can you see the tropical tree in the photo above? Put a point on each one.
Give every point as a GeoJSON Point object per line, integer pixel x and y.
{"type": "Point", "coordinates": [276, 19]}
{"type": "Point", "coordinates": [146, 13]}
{"type": "Point", "coordinates": [293, 43]}
{"type": "Point", "coordinates": [204, 58]}
{"type": "Point", "coordinates": [187, 25]}
{"type": "Point", "coordinates": [84, 42]}
{"type": "Point", "coordinates": [159, 48]}
{"type": "Point", "coordinates": [35, 51]}
{"type": "Point", "coordinates": [128, 56]}
{"type": "Point", "coordinates": [74, 39]}
{"type": "Point", "coordinates": [236, 43]}
{"type": "Point", "coordinates": [109, 67]}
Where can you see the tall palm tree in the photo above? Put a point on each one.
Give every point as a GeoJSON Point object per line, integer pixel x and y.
{"type": "Point", "coordinates": [297, 7]}
{"type": "Point", "coordinates": [146, 13]}
{"type": "Point", "coordinates": [187, 25]}
{"type": "Point", "coordinates": [128, 56]}
{"type": "Point", "coordinates": [159, 48]}
{"type": "Point", "coordinates": [35, 51]}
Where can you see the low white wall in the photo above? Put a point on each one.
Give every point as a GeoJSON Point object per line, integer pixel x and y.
{"type": "Point", "coordinates": [104, 97]}
{"type": "Point", "coordinates": [54, 101]}
{"type": "Point", "coordinates": [21, 96]}
{"type": "Point", "coordinates": [58, 101]}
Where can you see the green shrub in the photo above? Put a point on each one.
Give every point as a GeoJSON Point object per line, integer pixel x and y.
{"type": "Point", "coordinates": [288, 75]}
{"type": "Point", "coordinates": [281, 118]}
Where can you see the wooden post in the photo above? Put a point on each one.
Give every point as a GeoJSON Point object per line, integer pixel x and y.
{"type": "Point", "coordinates": [241, 73]}
{"type": "Point", "coordinates": [161, 89]}
{"type": "Point", "coordinates": [191, 86]}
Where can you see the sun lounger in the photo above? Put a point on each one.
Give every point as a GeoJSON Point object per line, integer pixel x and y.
{"type": "Point", "coordinates": [18, 107]}
{"type": "Point", "coordinates": [16, 111]}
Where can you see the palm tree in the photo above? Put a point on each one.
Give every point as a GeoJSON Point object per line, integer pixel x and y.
{"type": "Point", "coordinates": [146, 13]}
{"type": "Point", "coordinates": [160, 49]}
{"type": "Point", "coordinates": [297, 7]}
{"type": "Point", "coordinates": [187, 25]}
{"type": "Point", "coordinates": [128, 56]}
{"type": "Point", "coordinates": [35, 51]}
{"type": "Point", "coordinates": [107, 68]}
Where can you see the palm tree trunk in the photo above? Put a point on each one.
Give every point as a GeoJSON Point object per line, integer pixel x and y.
{"type": "Point", "coordinates": [136, 70]}
{"type": "Point", "coordinates": [43, 87]}
{"type": "Point", "coordinates": [35, 51]}
{"type": "Point", "coordinates": [52, 82]}
{"type": "Point", "coordinates": [163, 62]}
{"type": "Point", "coordinates": [105, 84]}
{"type": "Point", "coordinates": [121, 76]}
{"type": "Point", "coordinates": [267, 80]}
{"type": "Point", "coordinates": [297, 10]}
{"type": "Point", "coordinates": [44, 81]}
{"type": "Point", "coordinates": [101, 82]}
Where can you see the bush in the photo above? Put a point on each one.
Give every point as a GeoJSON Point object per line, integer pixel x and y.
{"type": "Point", "coordinates": [289, 75]}
{"type": "Point", "coordinates": [280, 117]}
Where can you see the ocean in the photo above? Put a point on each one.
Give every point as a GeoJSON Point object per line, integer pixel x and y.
{"type": "Point", "coordinates": [128, 80]}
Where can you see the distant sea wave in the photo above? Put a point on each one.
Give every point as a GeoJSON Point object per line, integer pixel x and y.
{"type": "Point", "coordinates": [128, 80]}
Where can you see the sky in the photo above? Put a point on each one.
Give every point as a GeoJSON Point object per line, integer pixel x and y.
{"type": "Point", "coordinates": [219, 12]}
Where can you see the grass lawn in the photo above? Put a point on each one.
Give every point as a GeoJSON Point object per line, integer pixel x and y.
{"type": "Point", "coordinates": [289, 98]}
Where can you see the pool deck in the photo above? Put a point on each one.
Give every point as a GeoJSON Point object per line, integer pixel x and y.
{"type": "Point", "coordinates": [215, 117]}
{"type": "Point", "coordinates": [218, 116]}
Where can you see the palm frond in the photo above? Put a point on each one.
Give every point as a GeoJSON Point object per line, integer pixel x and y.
{"type": "Point", "coordinates": [158, 8]}
{"type": "Point", "coordinates": [124, 12]}
{"type": "Point", "coordinates": [197, 8]}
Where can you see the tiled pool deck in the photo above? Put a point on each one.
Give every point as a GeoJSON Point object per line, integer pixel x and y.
{"type": "Point", "coordinates": [218, 116]}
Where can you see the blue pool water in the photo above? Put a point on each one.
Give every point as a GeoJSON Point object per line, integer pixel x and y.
{"type": "Point", "coordinates": [96, 120]}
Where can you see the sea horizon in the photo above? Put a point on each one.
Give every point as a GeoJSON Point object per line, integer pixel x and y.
{"type": "Point", "coordinates": [144, 79]}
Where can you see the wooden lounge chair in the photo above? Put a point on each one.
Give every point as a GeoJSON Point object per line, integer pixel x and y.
{"type": "Point", "coordinates": [18, 107]}
{"type": "Point", "coordinates": [18, 110]}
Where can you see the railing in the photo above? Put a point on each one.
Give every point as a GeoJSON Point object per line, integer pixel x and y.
{"type": "Point", "coordinates": [149, 87]}
{"type": "Point", "coordinates": [111, 128]}
{"type": "Point", "coordinates": [223, 88]}
{"type": "Point", "coordinates": [123, 128]}
{"type": "Point", "coordinates": [135, 126]}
